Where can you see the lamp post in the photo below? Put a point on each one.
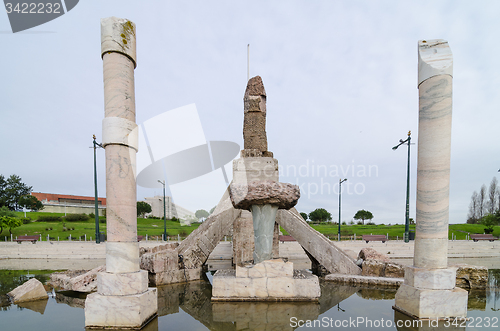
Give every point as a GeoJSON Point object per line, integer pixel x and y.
{"type": "Point", "coordinates": [97, 239]}
{"type": "Point", "coordinates": [164, 212]}
{"type": "Point", "coordinates": [340, 196]}
{"type": "Point", "coordinates": [407, 217]}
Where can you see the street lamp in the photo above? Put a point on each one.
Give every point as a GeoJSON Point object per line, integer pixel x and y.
{"type": "Point", "coordinates": [164, 213]}
{"type": "Point", "coordinates": [97, 239]}
{"type": "Point", "coordinates": [407, 219]}
{"type": "Point", "coordinates": [340, 195]}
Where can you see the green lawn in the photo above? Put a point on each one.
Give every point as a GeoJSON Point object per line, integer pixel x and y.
{"type": "Point", "coordinates": [55, 230]}
{"type": "Point", "coordinates": [154, 227]}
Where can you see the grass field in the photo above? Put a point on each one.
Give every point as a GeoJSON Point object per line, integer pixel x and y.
{"type": "Point", "coordinates": [154, 228]}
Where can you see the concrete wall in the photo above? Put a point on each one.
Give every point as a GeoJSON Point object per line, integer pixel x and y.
{"type": "Point", "coordinates": [72, 209]}
{"type": "Point", "coordinates": [172, 210]}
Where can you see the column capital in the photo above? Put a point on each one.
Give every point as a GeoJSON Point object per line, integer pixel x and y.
{"type": "Point", "coordinates": [118, 35]}
{"type": "Point", "coordinates": [434, 58]}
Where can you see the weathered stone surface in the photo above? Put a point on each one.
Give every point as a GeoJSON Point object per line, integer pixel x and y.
{"type": "Point", "coordinates": [159, 248]}
{"type": "Point", "coordinates": [364, 280]}
{"type": "Point", "coordinates": [268, 268]}
{"type": "Point", "coordinates": [30, 291]}
{"type": "Point", "coordinates": [324, 250]}
{"type": "Point", "coordinates": [78, 281]}
{"type": "Point", "coordinates": [245, 153]}
{"type": "Point", "coordinates": [243, 238]}
{"type": "Point", "coordinates": [254, 122]}
{"type": "Point", "coordinates": [469, 276]}
{"type": "Point", "coordinates": [303, 286]}
{"type": "Point", "coordinates": [373, 268]}
{"type": "Point", "coordinates": [174, 276]}
{"type": "Point", "coordinates": [122, 284]}
{"type": "Point", "coordinates": [160, 261]}
{"type": "Point", "coordinates": [283, 195]}
{"type": "Point", "coordinates": [394, 270]}
{"type": "Point", "coordinates": [371, 254]}
{"type": "Point", "coordinates": [126, 311]}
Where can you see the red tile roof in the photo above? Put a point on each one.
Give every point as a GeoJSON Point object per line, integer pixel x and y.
{"type": "Point", "coordinates": [57, 197]}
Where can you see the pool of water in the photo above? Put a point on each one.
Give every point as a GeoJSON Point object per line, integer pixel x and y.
{"type": "Point", "coordinates": [188, 307]}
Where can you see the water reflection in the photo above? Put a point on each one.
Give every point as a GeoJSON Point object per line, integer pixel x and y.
{"type": "Point", "coordinates": [189, 306]}
{"type": "Point", "coordinates": [405, 323]}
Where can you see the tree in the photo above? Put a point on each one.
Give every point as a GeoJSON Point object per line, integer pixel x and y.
{"type": "Point", "coordinates": [11, 190]}
{"type": "Point", "coordinates": [473, 216]}
{"type": "Point", "coordinates": [5, 212]}
{"type": "Point", "coordinates": [143, 208]}
{"type": "Point", "coordinates": [363, 215]}
{"type": "Point", "coordinates": [10, 222]}
{"type": "Point", "coordinates": [481, 201]}
{"type": "Point", "coordinates": [320, 215]}
{"type": "Point", "coordinates": [30, 202]}
{"type": "Point", "coordinates": [492, 196]}
{"type": "Point", "coordinates": [211, 210]}
{"type": "Point", "coordinates": [304, 216]}
{"type": "Point", "coordinates": [489, 221]}
{"type": "Point", "coordinates": [201, 213]}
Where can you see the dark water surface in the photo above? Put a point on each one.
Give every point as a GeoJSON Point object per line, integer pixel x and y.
{"type": "Point", "coordinates": [188, 307]}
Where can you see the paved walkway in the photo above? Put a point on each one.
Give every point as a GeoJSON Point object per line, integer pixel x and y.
{"type": "Point", "coordinates": [72, 255]}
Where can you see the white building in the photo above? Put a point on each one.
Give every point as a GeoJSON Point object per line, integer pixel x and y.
{"type": "Point", "coordinates": [172, 210]}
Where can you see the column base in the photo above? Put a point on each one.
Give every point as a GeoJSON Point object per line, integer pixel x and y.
{"type": "Point", "coordinates": [120, 311]}
{"type": "Point", "coordinates": [271, 280]}
{"type": "Point", "coordinates": [431, 304]}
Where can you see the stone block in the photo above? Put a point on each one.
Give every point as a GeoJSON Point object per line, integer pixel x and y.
{"type": "Point", "coordinates": [434, 279]}
{"type": "Point", "coordinates": [174, 276]}
{"type": "Point", "coordinates": [281, 287]}
{"type": "Point", "coordinates": [126, 311]}
{"type": "Point", "coordinates": [160, 261]}
{"type": "Point", "coordinates": [373, 268]}
{"type": "Point", "coordinates": [303, 286]}
{"type": "Point", "coordinates": [283, 195]}
{"type": "Point", "coordinates": [250, 169]}
{"type": "Point", "coordinates": [122, 257]}
{"type": "Point", "coordinates": [122, 284]}
{"type": "Point", "coordinates": [426, 303]}
{"type": "Point", "coordinates": [268, 268]}
{"type": "Point", "coordinates": [469, 276]}
{"type": "Point", "coordinates": [369, 253]}
{"type": "Point", "coordinates": [30, 291]}
{"type": "Point", "coordinates": [393, 270]}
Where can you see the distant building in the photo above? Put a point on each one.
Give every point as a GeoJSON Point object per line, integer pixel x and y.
{"type": "Point", "coordinates": [172, 210]}
{"type": "Point", "coordinates": [71, 204]}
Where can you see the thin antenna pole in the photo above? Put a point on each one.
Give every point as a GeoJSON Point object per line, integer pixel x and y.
{"type": "Point", "coordinates": [248, 62]}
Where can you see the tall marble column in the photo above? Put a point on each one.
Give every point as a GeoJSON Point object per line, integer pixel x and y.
{"type": "Point", "coordinates": [123, 299]}
{"type": "Point", "coordinates": [429, 288]}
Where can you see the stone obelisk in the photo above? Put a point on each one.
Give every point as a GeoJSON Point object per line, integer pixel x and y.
{"type": "Point", "coordinates": [429, 288]}
{"type": "Point", "coordinates": [123, 299]}
{"type": "Point", "coordinates": [256, 164]}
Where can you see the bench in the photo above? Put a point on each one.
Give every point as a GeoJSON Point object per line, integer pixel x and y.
{"type": "Point", "coordinates": [476, 237]}
{"type": "Point", "coordinates": [33, 239]}
{"type": "Point", "coordinates": [374, 237]}
{"type": "Point", "coordinates": [139, 238]}
{"type": "Point", "coordinates": [286, 238]}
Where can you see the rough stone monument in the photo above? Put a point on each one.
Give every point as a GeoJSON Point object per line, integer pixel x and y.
{"type": "Point", "coordinates": [255, 188]}
{"type": "Point", "coordinates": [123, 299]}
{"type": "Point", "coordinates": [429, 287]}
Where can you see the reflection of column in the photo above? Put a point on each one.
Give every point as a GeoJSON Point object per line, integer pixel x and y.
{"type": "Point", "coordinates": [123, 299]}
{"type": "Point", "coordinates": [429, 288]}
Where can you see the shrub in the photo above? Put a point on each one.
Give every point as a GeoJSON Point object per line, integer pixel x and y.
{"type": "Point", "coordinates": [102, 220]}
{"type": "Point", "coordinates": [49, 218]}
{"type": "Point", "coordinates": [26, 220]}
{"type": "Point", "coordinates": [92, 216]}
{"type": "Point", "coordinates": [76, 218]}
{"type": "Point", "coordinates": [488, 230]}
{"type": "Point", "coordinates": [153, 217]}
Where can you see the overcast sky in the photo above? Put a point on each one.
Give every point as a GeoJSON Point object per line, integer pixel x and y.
{"type": "Point", "coordinates": [340, 77]}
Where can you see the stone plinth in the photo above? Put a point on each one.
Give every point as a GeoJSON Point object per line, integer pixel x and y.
{"type": "Point", "coordinates": [271, 280]}
{"type": "Point", "coordinates": [425, 303]}
{"type": "Point", "coordinates": [120, 311]}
